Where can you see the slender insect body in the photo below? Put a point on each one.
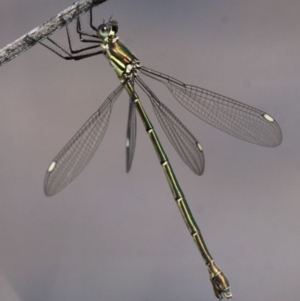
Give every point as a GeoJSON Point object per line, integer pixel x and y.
{"type": "Point", "coordinates": [226, 114]}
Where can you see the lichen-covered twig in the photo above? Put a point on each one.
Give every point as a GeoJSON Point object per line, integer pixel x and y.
{"type": "Point", "coordinates": [42, 31]}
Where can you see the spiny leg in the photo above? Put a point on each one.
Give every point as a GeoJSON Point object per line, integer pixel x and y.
{"type": "Point", "coordinates": [91, 20]}
{"type": "Point", "coordinates": [78, 50]}
{"type": "Point", "coordinates": [82, 33]}
{"type": "Point", "coordinates": [70, 55]}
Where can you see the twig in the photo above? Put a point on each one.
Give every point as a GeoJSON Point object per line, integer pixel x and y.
{"type": "Point", "coordinates": [42, 31]}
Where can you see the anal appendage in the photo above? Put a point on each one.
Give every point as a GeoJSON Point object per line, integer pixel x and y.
{"type": "Point", "coordinates": [219, 281]}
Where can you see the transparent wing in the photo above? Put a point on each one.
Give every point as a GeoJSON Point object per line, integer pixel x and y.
{"type": "Point", "coordinates": [131, 135]}
{"type": "Point", "coordinates": [186, 145]}
{"type": "Point", "coordinates": [73, 158]}
{"type": "Point", "coordinates": [233, 117]}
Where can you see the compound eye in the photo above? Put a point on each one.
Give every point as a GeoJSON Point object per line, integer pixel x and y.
{"type": "Point", "coordinates": [114, 26]}
{"type": "Point", "coordinates": [103, 30]}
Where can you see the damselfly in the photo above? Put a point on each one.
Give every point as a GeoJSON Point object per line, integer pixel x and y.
{"type": "Point", "coordinates": [230, 116]}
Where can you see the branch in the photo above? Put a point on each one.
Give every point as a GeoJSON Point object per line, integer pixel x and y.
{"type": "Point", "coordinates": [41, 32]}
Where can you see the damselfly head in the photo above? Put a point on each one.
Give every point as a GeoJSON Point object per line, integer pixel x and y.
{"type": "Point", "coordinates": [107, 31]}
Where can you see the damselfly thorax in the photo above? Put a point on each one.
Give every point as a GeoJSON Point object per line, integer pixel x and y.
{"type": "Point", "coordinates": [119, 56]}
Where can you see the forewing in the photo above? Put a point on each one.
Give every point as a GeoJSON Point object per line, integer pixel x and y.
{"type": "Point", "coordinates": [233, 117]}
{"type": "Point", "coordinates": [73, 158]}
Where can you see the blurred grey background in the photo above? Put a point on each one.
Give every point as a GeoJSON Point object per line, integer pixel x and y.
{"type": "Point", "coordinates": [116, 236]}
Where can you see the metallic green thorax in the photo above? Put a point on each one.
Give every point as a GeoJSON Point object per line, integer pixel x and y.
{"type": "Point", "coordinates": [119, 56]}
{"type": "Point", "coordinates": [126, 66]}
{"type": "Point", "coordinates": [121, 59]}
